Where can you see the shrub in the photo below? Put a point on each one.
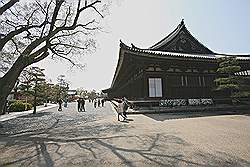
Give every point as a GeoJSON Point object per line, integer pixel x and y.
{"type": "Point", "coordinates": [18, 106]}
{"type": "Point", "coordinates": [14, 101]}
{"type": "Point", "coordinates": [29, 106]}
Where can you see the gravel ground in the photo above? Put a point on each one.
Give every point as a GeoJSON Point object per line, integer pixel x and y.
{"type": "Point", "coordinates": [96, 138]}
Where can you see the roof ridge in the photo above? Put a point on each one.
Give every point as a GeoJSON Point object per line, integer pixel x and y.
{"type": "Point", "coordinates": [167, 41]}
{"type": "Point", "coordinates": [198, 41]}
{"type": "Point", "coordinates": [177, 29]}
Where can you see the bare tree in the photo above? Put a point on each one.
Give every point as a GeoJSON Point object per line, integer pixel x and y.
{"type": "Point", "coordinates": [32, 31]}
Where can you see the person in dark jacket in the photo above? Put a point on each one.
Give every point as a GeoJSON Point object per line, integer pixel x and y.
{"type": "Point", "coordinates": [95, 102]}
{"type": "Point", "coordinates": [99, 103]}
{"type": "Point", "coordinates": [79, 104]}
{"type": "Point", "coordinates": [60, 104]}
{"type": "Point", "coordinates": [83, 104]}
{"type": "Point", "coordinates": [102, 101]}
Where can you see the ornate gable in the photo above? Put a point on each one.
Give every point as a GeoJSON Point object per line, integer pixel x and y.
{"type": "Point", "coordinates": [181, 41]}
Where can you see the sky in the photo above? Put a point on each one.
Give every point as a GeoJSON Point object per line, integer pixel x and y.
{"type": "Point", "coordinates": [221, 25]}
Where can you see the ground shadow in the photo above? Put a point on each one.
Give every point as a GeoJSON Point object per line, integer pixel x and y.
{"type": "Point", "coordinates": [129, 119]}
{"type": "Point", "coordinates": [163, 150]}
{"type": "Point", "coordinates": [159, 149]}
{"type": "Point", "coordinates": [152, 150]}
{"type": "Point", "coordinates": [39, 114]}
{"type": "Point", "coordinates": [40, 139]}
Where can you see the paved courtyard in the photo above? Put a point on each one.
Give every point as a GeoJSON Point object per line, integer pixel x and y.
{"type": "Point", "coordinates": [96, 138]}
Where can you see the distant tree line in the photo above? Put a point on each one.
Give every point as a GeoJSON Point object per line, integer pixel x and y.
{"type": "Point", "coordinates": [32, 87]}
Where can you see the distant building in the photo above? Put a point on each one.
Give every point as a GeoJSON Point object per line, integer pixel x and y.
{"type": "Point", "coordinates": [72, 95]}
{"type": "Point", "coordinates": [178, 66]}
{"type": "Point", "coordinates": [72, 92]}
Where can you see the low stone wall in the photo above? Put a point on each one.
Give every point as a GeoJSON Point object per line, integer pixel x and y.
{"type": "Point", "coordinates": [212, 109]}
{"type": "Point", "coordinates": [185, 102]}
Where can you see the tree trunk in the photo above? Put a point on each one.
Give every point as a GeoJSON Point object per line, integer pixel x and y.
{"type": "Point", "coordinates": [7, 82]}
{"type": "Point", "coordinates": [34, 111]}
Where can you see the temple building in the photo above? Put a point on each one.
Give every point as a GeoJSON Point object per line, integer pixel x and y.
{"type": "Point", "coordinates": [178, 66]}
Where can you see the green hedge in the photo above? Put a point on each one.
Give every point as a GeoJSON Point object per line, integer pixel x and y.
{"type": "Point", "coordinates": [19, 105]}
{"type": "Point", "coordinates": [14, 101]}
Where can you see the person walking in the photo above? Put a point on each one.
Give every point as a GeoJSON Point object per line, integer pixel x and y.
{"type": "Point", "coordinates": [102, 101]}
{"type": "Point", "coordinates": [79, 105]}
{"type": "Point", "coordinates": [95, 103]}
{"type": "Point", "coordinates": [60, 104]}
{"type": "Point", "coordinates": [65, 102]}
{"type": "Point", "coordinates": [99, 103]}
{"type": "Point", "coordinates": [83, 104]}
{"type": "Point", "coordinates": [125, 106]}
{"type": "Point", "coordinates": [120, 111]}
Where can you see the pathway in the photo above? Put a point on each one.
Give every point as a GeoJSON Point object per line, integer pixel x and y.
{"type": "Point", "coordinates": [96, 138]}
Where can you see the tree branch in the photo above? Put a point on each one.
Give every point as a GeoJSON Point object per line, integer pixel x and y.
{"type": "Point", "coordinates": [68, 45]}
{"type": "Point", "coordinates": [79, 10]}
{"type": "Point", "coordinates": [52, 32]}
{"type": "Point", "coordinates": [55, 14]}
{"type": "Point", "coordinates": [38, 52]}
{"type": "Point", "coordinates": [7, 6]}
{"type": "Point", "coordinates": [17, 50]}
{"type": "Point", "coordinates": [46, 17]}
{"type": "Point", "coordinates": [67, 16]}
{"type": "Point", "coordinates": [41, 54]}
{"type": "Point", "coordinates": [97, 11]}
{"type": "Point", "coordinates": [10, 35]}
{"type": "Point", "coordinates": [66, 35]}
{"type": "Point", "coordinates": [61, 56]}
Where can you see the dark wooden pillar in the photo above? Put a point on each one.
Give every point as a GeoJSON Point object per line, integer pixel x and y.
{"type": "Point", "coordinates": [144, 85]}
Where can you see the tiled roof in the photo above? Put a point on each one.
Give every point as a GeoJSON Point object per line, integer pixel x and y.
{"type": "Point", "coordinates": [165, 42]}
{"type": "Point", "coordinates": [186, 55]}
{"type": "Point", "coordinates": [169, 37]}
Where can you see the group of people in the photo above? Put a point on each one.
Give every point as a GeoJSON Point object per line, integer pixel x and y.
{"type": "Point", "coordinates": [122, 108]}
{"type": "Point", "coordinates": [81, 105]}
{"type": "Point", "coordinates": [98, 102]}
